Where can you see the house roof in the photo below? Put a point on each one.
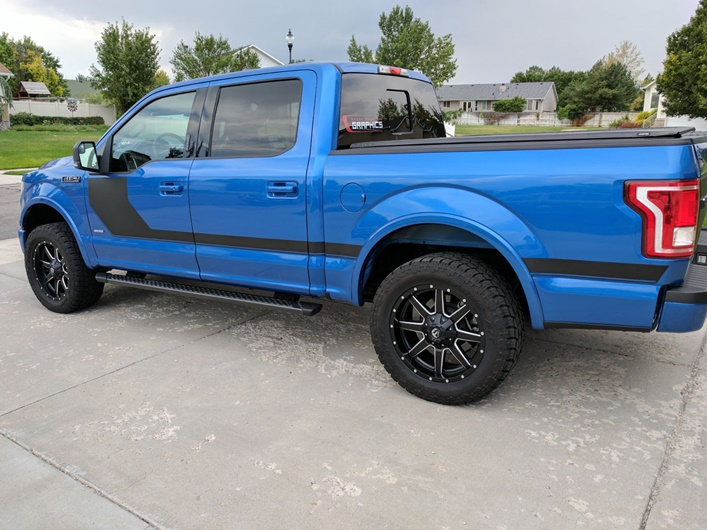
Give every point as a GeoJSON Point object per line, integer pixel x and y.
{"type": "Point", "coordinates": [4, 71]}
{"type": "Point", "coordinates": [262, 52]}
{"type": "Point", "coordinates": [35, 89]}
{"type": "Point", "coordinates": [649, 85]}
{"type": "Point", "coordinates": [493, 92]}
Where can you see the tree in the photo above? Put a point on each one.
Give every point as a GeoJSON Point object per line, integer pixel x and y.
{"type": "Point", "coordinates": [607, 87]}
{"type": "Point", "coordinates": [161, 79]}
{"type": "Point", "coordinates": [210, 56]}
{"type": "Point", "coordinates": [561, 78]}
{"type": "Point", "coordinates": [128, 64]}
{"type": "Point", "coordinates": [683, 82]}
{"type": "Point", "coordinates": [28, 61]}
{"type": "Point", "coordinates": [244, 59]}
{"type": "Point", "coordinates": [516, 104]}
{"type": "Point", "coordinates": [627, 54]}
{"type": "Point", "coordinates": [408, 42]}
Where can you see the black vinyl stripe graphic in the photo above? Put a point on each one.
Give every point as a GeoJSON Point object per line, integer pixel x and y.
{"type": "Point", "coordinates": [109, 199]}
{"type": "Point", "coordinates": [601, 269]}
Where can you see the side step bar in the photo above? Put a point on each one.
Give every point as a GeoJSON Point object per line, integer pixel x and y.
{"type": "Point", "coordinates": [289, 302]}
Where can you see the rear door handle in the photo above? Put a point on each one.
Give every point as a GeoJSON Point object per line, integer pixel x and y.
{"type": "Point", "coordinates": [279, 189]}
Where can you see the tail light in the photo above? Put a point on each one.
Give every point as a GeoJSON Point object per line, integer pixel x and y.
{"type": "Point", "coordinates": [669, 210]}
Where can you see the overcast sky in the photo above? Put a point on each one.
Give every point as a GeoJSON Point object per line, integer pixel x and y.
{"type": "Point", "coordinates": [493, 38]}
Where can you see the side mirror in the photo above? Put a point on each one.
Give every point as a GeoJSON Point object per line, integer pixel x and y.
{"type": "Point", "coordinates": [85, 156]}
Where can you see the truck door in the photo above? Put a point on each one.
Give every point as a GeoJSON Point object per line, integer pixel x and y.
{"type": "Point", "coordinates": [247, 186]}
{"type": "Point", "coordinates": [139, 208]}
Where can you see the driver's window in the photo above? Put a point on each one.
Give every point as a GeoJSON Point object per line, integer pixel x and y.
{"type": "Point", "coordinates": [157, 132]}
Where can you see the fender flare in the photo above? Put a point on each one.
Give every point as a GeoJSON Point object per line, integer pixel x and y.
{"type": "Point", "coordinates": [69, 213]}
{"type": "Point", "coordinates": [472, 202]}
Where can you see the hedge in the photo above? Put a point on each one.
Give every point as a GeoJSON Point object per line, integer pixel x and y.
{"type": "Point", "coordinates": [24, 118]}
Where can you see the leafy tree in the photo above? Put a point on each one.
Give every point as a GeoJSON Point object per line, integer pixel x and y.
{"type": "Point", "coordinates": [408, 42]}
{"type": "Point", "coordinates": [128, 64]}
{"type": "Point", "coordinates": [606, 88]}
{"type": "Point", "coordinates": [516, 104]}
{"type": "Point", "coordinates": [244, 59]}
{"type": "Point", "coordinates": [627, 53]}
{"type": "Point", "coordinates": [570, 112]}
{"type": "Point", "coordinates": [161, 78]}
{"type": "Point", "coordinates": [684, 78]}
{"type": "Point", "coordinates": [561, 78]}
{"type": "Point", "coordinates": [533, 74]}
{"type": "Point", "coordinates": [28, 61]}
{"type": "Point", "coordinates": [210, 56]}
{"type": "Point", "coordinates": [359, 54]}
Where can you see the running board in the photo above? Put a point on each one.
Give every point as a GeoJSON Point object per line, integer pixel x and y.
{"type": "Point", "coordinates": [288, 302]}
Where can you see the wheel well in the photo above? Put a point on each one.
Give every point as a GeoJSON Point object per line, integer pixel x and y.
{"type": "Point", "coordinates": [413, 242]}
{"type": "Point", "coordinates": [38, 215]}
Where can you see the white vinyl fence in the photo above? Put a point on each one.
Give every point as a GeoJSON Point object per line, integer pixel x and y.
{"type": "Point", "coordinates": [546, 119]}
{"type": "Point", "coordinates": [59, 108]}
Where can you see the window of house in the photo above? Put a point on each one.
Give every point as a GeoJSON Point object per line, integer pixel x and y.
{"type": "Point", "coordinates": [157, 132]}
{"type": "Point", "coordinates": [256, 119]}
{"type": "Point", "coordinates": [654, 100]}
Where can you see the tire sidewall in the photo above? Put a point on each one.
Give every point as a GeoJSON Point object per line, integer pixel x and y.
{"type": "Point", "coordinates": [477, 384]}
{"type": "Point", "coordinates": [52, 233]}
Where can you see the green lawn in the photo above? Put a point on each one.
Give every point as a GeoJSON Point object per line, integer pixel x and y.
{"type": "Point", "coordinates": [467, 130]}
{"type": "Point", "coordinates": [24, 147]}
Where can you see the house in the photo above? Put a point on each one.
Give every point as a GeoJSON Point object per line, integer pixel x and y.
{"type": "Point", "coordinates": [653, 99]}
{"type": "Point", "coordinates": [540, 97]}
{"type": "Point", "coordinates": [5, 74]}
{"type": "Point", "coordinates": [265, 58]}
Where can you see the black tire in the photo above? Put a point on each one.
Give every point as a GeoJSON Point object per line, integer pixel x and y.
{"type": "Point", "coordinates": [56, 271]}
{"type": "Point", "coordinates": [466, 342]}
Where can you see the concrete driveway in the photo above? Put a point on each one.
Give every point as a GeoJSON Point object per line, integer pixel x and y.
{"type": "Point", "coordinates": [157, 411]}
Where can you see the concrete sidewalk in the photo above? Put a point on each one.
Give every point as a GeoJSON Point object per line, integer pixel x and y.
{"type": "Point", "coordinates": [157, 411]}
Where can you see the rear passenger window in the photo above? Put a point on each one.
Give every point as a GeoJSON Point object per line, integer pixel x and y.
{"type": "Point", "coordinates": [256, 120]}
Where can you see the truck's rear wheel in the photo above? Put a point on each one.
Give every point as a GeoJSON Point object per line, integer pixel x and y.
{"type": "Point", "coordinates": [56, 271]}
{"type": "Point", "coordinates": [447, 328]}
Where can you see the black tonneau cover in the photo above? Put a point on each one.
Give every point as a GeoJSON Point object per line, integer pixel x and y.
{"type": "Point", "coordinates": [552, 140]}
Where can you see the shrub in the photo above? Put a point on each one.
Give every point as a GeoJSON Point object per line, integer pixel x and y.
{"type": "Point", "coordinates": [24, 118]}
{"type": "Point", "coordinates": [629, 125]}
{"type": "Point", "coordinates": [643, 116]}
{"type": "Point", "coordinates": [570, 112]}
{"type": "Point", "coordinates": [516, 104]}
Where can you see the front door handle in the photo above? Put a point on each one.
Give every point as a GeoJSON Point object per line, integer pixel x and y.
{"type": "Point", "coordinates": [279, 189]}
{"type": "Point", "coordinates": [171, 188]}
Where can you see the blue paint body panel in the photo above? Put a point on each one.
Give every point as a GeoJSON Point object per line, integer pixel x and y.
{"type": "Point", "coordinates": [531, 205]}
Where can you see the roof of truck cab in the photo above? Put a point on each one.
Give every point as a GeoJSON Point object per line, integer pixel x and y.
{"type": "Point", "coordinates": [318, 67]}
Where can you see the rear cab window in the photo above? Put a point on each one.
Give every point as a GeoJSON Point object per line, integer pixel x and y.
{"type": "Point", "coordinates": [377, 108]}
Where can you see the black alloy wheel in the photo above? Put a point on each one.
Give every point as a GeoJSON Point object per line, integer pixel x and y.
{"type": "Point", "coordinates": [436, 334]}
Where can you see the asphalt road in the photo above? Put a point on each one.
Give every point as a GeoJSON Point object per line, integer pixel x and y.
{"type": "Point", "coordinates": [167, 412]}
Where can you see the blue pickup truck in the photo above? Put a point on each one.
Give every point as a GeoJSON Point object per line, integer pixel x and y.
{"type": "Point", "coordinates": [337, 181]}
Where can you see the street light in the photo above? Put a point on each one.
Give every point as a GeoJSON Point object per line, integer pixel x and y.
{"type": "Point", "coordinates": [290, 38]}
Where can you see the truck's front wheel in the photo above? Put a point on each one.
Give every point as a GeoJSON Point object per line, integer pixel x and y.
{"type": "Point", "coordinates": [56, 271]}
{"type": "Point", "coordinates": [447, 327]}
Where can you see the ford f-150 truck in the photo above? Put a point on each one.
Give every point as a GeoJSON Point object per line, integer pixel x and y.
{"type": "Point", "coordinates": [337, 181]}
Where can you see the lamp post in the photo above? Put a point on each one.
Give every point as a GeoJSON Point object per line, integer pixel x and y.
{"type": "Point", "coordinates": [290, 38]}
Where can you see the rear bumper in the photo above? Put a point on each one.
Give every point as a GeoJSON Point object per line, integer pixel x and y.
{"type": "Point", "coordinates": [685, 307]}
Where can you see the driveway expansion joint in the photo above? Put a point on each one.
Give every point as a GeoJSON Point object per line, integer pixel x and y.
{"type": "Point", "coordinates": [90, 485]}
{"type": "Point", "coordinates": [670, 446]}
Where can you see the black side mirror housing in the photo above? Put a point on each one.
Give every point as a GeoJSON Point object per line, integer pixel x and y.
{"type": "Point", "coordinates": [85, 156]}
